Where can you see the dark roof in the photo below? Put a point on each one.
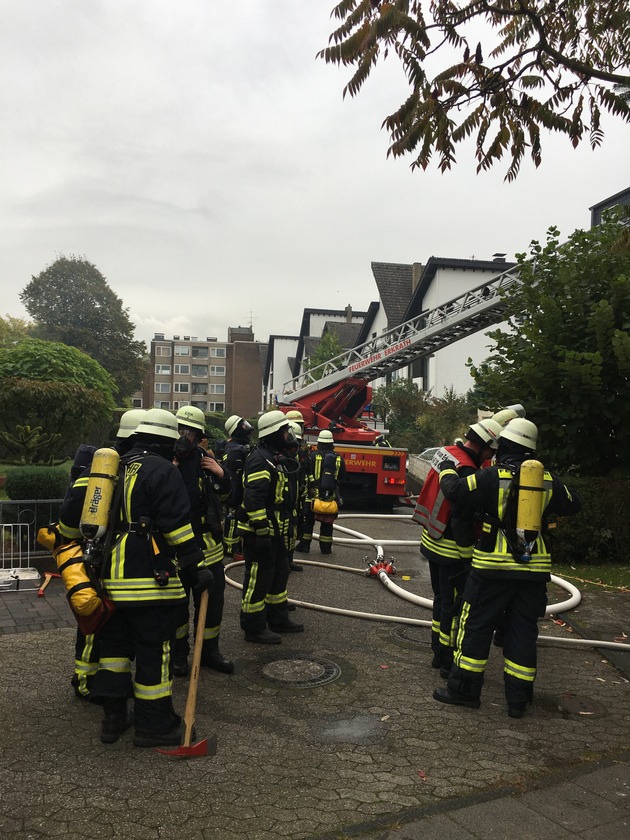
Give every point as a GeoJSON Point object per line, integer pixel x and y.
{"type": "Point", "coordinates": [305, 328]}
{"type": "Point", "coordinates": [345, 332]}
{"type": "Point", "coordinates": [415, 306]}
{"type": "Point", "coordinates": [598, 209]}
{"type": "Point", "coordinates": [394, 284]}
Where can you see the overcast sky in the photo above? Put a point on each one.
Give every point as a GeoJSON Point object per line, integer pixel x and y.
{"type": "Point", "coordinates": [201, 157]}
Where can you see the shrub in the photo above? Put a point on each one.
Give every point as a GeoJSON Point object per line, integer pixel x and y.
{"type": "Point", "coordinates": [601, 531]}
{"type": "Point", "coordinates": [37, 482]}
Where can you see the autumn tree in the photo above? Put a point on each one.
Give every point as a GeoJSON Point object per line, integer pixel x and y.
{"type": "Point", "coordinates": [71, 302]}
{"type": "Point", "coordinates": [503, 71]}
{"type": "Point", "coordinates": [566, 353]}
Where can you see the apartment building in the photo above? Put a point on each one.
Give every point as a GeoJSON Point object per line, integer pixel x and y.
{"type": "Point", "coordinates": [214, 376]}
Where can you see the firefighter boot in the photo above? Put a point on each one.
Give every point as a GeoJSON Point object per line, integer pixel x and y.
{"type": "Point", "coordinates": [303, 547]}
{"type": "Point", "coordinates": [117, 719]}
{"type": "Point", "coordinates": [287, 627]}
{"type": "Point", "coordinates": [212, 657]}
{"type": "Point", "coordinates": [452, 698]}
{"type": "Point", "coordinates": [180, 664]}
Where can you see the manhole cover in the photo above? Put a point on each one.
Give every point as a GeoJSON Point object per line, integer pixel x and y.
{"type": "Point", "coordinates": [409, 633]}
{"type": "Point", "coordinates": [297, 671]}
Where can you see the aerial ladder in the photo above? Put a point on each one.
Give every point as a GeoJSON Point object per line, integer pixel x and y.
{"type": "Point", "coordinates": [334, 394]}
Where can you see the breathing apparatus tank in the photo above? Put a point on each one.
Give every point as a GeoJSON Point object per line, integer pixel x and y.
{"type": "Point", "coordinates": [98, 498]}
{"type": "Point", "coordinates": [530, 505]}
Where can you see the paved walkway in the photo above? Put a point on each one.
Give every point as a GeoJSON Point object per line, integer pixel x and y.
{"type": "Point", "coordinates": [332, 734]}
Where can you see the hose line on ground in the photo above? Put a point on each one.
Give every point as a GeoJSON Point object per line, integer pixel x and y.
{"type": "Point", "coordinates": [357, 538]}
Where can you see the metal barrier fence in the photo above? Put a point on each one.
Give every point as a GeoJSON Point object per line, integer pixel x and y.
{"type": "Point", "coordinates": [19, 523]}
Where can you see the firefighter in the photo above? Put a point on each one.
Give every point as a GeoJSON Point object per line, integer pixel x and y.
{"type": "Point", "coordinates": [302, 453]}
{"type": "Point", "coordinates": [264, 524]}
{"type": "Point", "coordinates": [448, 536]}
{"type": "Point", "coordinates": [326, 469]}
{"type": "Point", "coordinates": [507, 575]}
{"type": "Point", "coordinates": [206, 483]}
{"type": "Point", "coordinates": [237, 447]}
{"type": "Point", "coordinates": [297, 492]}
{"type": "Point", "coordinates": [141, 578]}
{"type": "Point", "coordinates": [87, 649]}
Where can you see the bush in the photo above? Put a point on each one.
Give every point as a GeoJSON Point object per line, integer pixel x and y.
{"type": "Point", "coordinates": [37, 482]}
{"type": "Point", "coordinates": [601, 531]}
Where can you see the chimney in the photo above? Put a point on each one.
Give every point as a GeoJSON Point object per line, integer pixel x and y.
{"type": "Point", "coordinates": [416, 274]}
{"type": "Point", "coordinates": [498, 258]}
{"type": "Point", "coordinates": [348, 314]}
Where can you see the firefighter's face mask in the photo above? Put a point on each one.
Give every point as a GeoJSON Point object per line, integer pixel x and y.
{"type": "Point", "coordinates": [290, 440]}
{"type": "Point", "coordinates": [187, 443]}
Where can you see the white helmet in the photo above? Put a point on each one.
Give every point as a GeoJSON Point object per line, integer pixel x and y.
{"type": "Point", "coordinates": [296, 429]}
{"type": "Point", "coordinates": [296, 415]}
{"type": "Point", "coordinates": [231, 424]}
{"type": "Point", "coordinates": [159, 422]}
{"type": "Point", "coordinates": [270, 422]}
{"type": "Point", "coordinates": [523, 432]}
{"type": "Point", "coordinates": [325, 437]}
{"type": "Point", "coordinates": [504, 416]}
{"type": "Point", "coordinates": [191, 416]}
{"type": "Point", "coordinates": [488, 430]}
{"type": "Point", "coordinates": [129, 422]}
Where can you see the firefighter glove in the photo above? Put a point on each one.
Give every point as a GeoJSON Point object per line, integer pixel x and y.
{"type": "Point", "coordinates": [202, 578]}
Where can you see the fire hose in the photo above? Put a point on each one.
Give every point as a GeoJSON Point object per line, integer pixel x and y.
{"type": "Point", "coordinates": [383, 570]}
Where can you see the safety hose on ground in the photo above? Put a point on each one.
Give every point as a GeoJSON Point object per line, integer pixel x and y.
{"type": "Point", "coordinates": [358, 538]}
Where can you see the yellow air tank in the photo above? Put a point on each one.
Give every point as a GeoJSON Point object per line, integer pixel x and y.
{"type": "Point", "coordinates": [99, 493]}
{"type": "Point", "coordinates": [530, 499]}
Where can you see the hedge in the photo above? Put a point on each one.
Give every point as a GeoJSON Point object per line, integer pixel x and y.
{"type": "Point", "coordinates": [600, 533]}
{"type": "Point", "coordinates": [36, 482]}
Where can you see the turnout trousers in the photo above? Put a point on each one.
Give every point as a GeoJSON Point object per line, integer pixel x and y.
{"type": "Point", "coordinates": [264, 598]}
{"type": "Point", "coordinates": [447, 582]}
{"type": "Point", "coordinates": [485, 599]}
{"type": "Point", "coordinates": [86, 656]}
{"type": "Point", "coordinates": [214, 615]}
{"type": "Point", "coordinates": [142, 633]}
{"type": "Point", "coordinates": [325, 531]}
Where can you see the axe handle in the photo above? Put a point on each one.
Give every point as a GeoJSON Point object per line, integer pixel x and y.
{"type": "Point", "coordinates": [47, 578]}
{"type": "Point", "coordinates": [191, 701]}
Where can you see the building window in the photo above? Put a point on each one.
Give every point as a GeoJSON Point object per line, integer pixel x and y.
{"type": "Point", "coordinates": [182, 350]}
{"type": "Point", "coordinates": [162, 350]}
{"type": "Point", "coordinates": [180, 404]}
{"type": "Point", "coordinates": [162, 387]}
{"type": "Point", "coordinates": [200, 404]}
{"type": "Point", "coordinates": [216, 407]}
{"type": "Point", "coordinates": [161, 404]}
{"type": "Point", "coordinates": [217, 389]}
{"type": "Point", "coordinates": [200, 352]}
{"type": "Point", "coordinates": [217, 352]}
{"type": "Point", "coordinates": [184, 370]}
{"type": "Point", "coordinates": [200, 370]}
{"type": "Point", "coordinates": [199, 387]}
{"type": "Point", "coordinates": [217, 370]}
{"type": "Point", "coordinates": [136, 403]}
{"type": "Point", "coordinates": [163, 370]}
{"type": "Point", "coordinates": [181, 388]}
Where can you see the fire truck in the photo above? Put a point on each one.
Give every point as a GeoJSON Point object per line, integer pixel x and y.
{"type": "Point", "coordinates": [333, 395]}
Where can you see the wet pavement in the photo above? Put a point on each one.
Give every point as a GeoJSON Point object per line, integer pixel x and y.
{"type": "Point", "coordinates": [333, 733]}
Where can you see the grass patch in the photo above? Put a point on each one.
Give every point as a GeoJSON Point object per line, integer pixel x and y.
{"type": "Point", "coordinates": [607, 578]}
